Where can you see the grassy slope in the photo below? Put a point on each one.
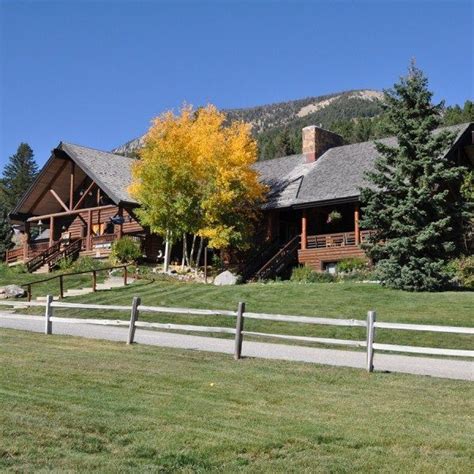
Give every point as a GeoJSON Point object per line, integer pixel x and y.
{"type": "Point", "coordinates": [82, 405]}
{"type": "Point", "coordinates": [10, 276]}
{"type": "Point", "coordinates": [350, 300]}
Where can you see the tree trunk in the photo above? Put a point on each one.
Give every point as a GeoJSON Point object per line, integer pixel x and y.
{"type": "Point", "coordinates": [198, 258]}
{"type": "Point", "coordinates": [166, 262]}
{"type": "Point", "coordinates": [183, 260]}
{"type": "Point", "coordinates": [191, 255]}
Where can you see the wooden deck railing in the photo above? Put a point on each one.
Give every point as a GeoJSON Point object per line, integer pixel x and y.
{"type": "Point", "coordinates": [341, 239]}
{"type": "Point", "coordinates": [14, 255]}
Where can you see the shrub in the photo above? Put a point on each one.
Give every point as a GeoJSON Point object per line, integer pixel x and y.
{"type": "Point", "coordinates": [85, 264]}
{"type": "Point", "coordinates": [125, 250]}
{"type": "Point", "coordinates": [305, 274]}
{"type": "Point", "coordinates": [65, 263]}
{"type": "Point", "coordinates": [19, 268]}
{"type": "Point", "coordinates": [4, 269]}
{"type": "Point", "coordinates": [462, 270]}
{"type": "Point", "coordinates": [351, 264]}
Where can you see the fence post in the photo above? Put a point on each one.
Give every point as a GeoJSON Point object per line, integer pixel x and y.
{"type": "Point", "coordinates": [125, 275]}
{"type": "Point", "coordinates": [371, 318]}
{"type": "Point", "coordinates": [238, 331]}
{"type": "Point", "coordinates": [48, 312]}
{"type": "Point", "coordinates": [133, 317]}
{"type": "Point", "coordinates": [61, 287]}
{"type": "Point", "coordinates": [94, 281]}
{"type": "Point", "coordinates": [29, 293]}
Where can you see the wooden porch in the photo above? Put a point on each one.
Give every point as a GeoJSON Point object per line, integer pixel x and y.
{"type": "Point", "coordinates": [318, 250]}
{"type": "Point", "coordinates": [328, 248]}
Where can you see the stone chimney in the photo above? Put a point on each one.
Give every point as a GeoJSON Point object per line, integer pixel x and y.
{"type": "Point", "coordinates": [317, 140]}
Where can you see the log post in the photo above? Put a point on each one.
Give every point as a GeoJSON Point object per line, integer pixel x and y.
{"type": "Point", "coordinates": [133, 318]}
{"type": "Point", "coordinates": [239, 327]}
{"type": "Point", "coordinates": [61, 287]}
{"type": "Point", "coordinates": [356, 224]}
{"type": "Point", "coordinates": [26, 242]}
{"type": "Point", "coordinates": [28, 293]}
{"type": "Point", "coordinates": [371, 318]}
{"type": "Point", "coordinates": [125, 275]}
{"type": "Point", "coordinates": [89, 226]}
{"type": "Point", "coordinates": [71, 186]}
{"type": "Point", "coordinates": [304, 235]}
{"type": "Point", "coordinates": [94, 281]}
{"type": "Point", "coordinates": [48, 327]}
{"type": "Point", "coordinates": [120, 227]}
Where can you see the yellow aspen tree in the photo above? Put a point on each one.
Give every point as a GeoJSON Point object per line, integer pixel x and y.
{"type": "Point", "coordinates": [195, 176]}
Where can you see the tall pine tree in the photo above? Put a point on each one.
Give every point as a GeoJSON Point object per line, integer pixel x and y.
{"type": "Point", "coordinates": [18, 174]}
{"type": "Point", "coordinates": [414, 203]}
{"type": "Point", "coordinates": [5, 228]}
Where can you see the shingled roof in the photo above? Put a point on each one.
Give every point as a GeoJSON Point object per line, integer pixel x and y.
{"type": "Point", "coordinates": [110, 171]}
{"type": "Point", "coordinates": [337, 175]}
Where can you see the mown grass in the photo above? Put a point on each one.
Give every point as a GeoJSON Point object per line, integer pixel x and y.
{"type": "Point", "coordinates": [10, 276]}
{"type": "Point", "coordinates": [70, 404]}
{"type": "Point", "coordinates": [338, 300]}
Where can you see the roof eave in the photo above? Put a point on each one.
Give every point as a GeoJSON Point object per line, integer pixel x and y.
{"type": "Point", "coordinates": [90, 173]}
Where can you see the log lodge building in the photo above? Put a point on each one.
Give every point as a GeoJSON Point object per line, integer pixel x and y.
{"type": "Point", "coordinates": [79, 204]}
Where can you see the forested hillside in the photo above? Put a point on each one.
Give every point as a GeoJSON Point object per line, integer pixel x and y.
{"type": "Point", "coordinates": [356, 115]}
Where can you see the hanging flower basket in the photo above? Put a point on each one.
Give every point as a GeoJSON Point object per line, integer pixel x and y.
{"type": "Point", "coordinates": [333, 217]}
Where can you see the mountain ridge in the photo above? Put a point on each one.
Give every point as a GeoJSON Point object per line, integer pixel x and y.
{"type": "Point", "coordinates": [268, 119]}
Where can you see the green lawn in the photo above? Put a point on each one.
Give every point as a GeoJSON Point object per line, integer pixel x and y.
{"type": "Point", "coordinates": [10, 276]}
{"type": "Point", "coordinates": [347, 300]}
{"type": "Point", "coordinates": [70, 404]}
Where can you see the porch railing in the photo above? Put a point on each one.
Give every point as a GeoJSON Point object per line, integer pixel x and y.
{"type": "Point", "coordinates": [14, 255]}
{"type": "Point", "coordinates": [342, 239]}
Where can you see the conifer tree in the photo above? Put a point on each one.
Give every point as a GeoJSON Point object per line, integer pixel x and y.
{"type": "Point", "coordinates": [18, 174]}
{"type": "Point", "coordinates": [5, 228]}
{"type": "Point", "coordinates": [414, 203]}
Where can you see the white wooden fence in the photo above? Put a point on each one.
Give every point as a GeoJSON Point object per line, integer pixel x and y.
{"type": "Point", "coordinates": [240, 315]}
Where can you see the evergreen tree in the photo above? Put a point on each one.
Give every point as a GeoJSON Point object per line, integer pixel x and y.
{"type": "Point", "coordinates": [283, 144]}
{"type": "Point", "coordinates": [5, 228]}
{"type": "Point", "coordinates": [414, 204]}
{"type": "Point", "coordinates": [18, 174]}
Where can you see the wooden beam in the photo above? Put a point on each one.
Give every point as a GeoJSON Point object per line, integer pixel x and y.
{"type": "Point", "coordinates": [71, 186]}
{"type": "Point", "coordinates": [120, 229]}
{"type": "Point", "coordinates": [51, 230]}
{"type": "Point", "coordinates": [26, 242]}
{"type": "Point", "coordinates": [86, 192]}
{"type": "Point", "coordinates": [356, 224]}
{"type": "Point", "coordinates": [53, 192]}
{"type": "Point", "coordinates": [304, 233]}
{"type": "Point", "coordinates": [70, 213]}
{"type": "Point", "coordinates": [89, 225]}
{"type": "Point", "coordinates": [48, 187]}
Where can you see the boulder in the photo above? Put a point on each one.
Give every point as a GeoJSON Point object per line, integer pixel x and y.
{"type": "Point", "coordinates": [226, 278]}
{"type": "Point", "coordinates": [12, 291]}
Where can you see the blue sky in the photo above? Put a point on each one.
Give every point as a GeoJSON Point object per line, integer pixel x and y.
{"type": "Point", "coordinates": [96, 72]}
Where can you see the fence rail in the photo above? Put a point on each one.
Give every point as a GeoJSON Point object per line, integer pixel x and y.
{"type": "Point", "coordinates": [61, 278]}
{"type": "Point", "coordinates": [240, 315]}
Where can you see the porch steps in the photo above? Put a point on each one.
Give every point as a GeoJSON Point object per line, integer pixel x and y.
{"type": "Point", "coordinates": [96, 253]}
{"type": "Point", "coordinates": [43, 269]}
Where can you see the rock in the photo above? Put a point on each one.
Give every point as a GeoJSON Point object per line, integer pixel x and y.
{"type": "Point", "coordinates": [12, 291]}
{"type": "Point", "coordinates": [226, 278]}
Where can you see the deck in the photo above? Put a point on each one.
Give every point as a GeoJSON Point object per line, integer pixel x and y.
{"type": "Point", "coordinates": [325, 248]}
